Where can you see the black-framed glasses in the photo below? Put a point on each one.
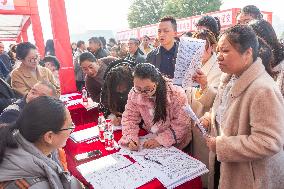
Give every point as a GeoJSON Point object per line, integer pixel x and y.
{"type": "Point", "coordinates": [147, 91]}
{"type": "Point", "coordinates": [34, 59]}
{"type": "Point", "coordinates": [69, 128]}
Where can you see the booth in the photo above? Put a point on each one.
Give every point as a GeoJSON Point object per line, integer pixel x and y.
{"type": "Point", "coordinates": [16, 16]}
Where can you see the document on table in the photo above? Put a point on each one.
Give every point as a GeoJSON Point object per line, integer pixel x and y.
{"type": "Point", "coordinates": [171, 166]}
{"type": "Point", "coordinates": [188, 60]}
{"type": "Point", "coordinates": [115, 171]}
{"type": "Point", "coordinates": [85, 134]}
{"type": "Point", "coordinates": [125, 151]}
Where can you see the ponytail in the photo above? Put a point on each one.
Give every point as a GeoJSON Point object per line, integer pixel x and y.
{"type": "Point", "coordinates": [7, 139]}
{"type": "Point", "coordinates": [161, 100]}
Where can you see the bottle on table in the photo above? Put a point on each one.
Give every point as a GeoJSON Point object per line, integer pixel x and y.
{"type": "Point", "coordinates": [102, 126]}
{"type": "Point", "coordinates": [109, 137]}
{"type": "Point", "coordinates": [84, 95]}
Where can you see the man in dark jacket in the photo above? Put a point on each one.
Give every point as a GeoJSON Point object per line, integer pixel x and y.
{"type": "Point", "coordinates": [133, 51]}
{"type": "Point", "coordinates": [7, 95]}
{"type": "Point", "coordinates": [95, 47]}
{"type": "Point", "coordinates": [164, 56]}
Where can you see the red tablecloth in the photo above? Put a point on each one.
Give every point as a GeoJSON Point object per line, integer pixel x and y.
{"type": "Point", "coordinates": [72, 149]}
{"type": "Point", "coordinates": [79, 113]}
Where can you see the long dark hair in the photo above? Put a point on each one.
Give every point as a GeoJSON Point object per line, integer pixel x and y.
{"type": "Point", "coordinates": [148, 71]}
{"type": "Point", "coordinates": [118, 75]}
{"type": "Point", "coordinates": [39, 116]}
{"type": "Point", "coordinates": [266, 55]}
{"type": "Point", "coordinates": [264, 29]}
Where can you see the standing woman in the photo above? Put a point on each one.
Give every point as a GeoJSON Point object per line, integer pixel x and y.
{"type": "Point", "coordinates": [29, 72]}
{"type": "Point", "coordinates": [246, 121]}
{"type": "Point", "coordinates": [30, 151]}
{"type": "Point", "coordinates": [161, 106]}
{"type": "Point", "coordinates": [201, 100]}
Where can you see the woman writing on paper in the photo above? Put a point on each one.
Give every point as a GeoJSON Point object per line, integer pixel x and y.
{"type": "Point", "coordinates": [246, 121]}
{"type": "Point", "coordinates": [161, 105]}
{"type": "Point", "coordinates": [118, 83]}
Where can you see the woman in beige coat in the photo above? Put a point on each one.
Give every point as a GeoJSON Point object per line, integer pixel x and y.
{"type": "Point", "coordinates": [246, 121]}
{"type": "Point", "coordinates": [201, 100]}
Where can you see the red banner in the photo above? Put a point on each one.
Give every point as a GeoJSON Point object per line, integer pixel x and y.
{"type": "Point", "coordinates": [227, 18]}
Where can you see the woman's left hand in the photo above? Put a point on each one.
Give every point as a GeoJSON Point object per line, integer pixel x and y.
{"type": "Point", "coordinates": [200, 78]}
{"type": "Point", "coordinates": [211, 143]}
{"type": "Point", "coordinates": [116, 121]}
{"type": "Point", "coordinates": [151, 143]}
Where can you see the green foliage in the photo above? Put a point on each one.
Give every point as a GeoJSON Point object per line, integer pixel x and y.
{"type": "Point", "coordinates": [143, 12]}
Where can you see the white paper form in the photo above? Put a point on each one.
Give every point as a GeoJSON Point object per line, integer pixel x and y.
{"type": "Point", "coordinates": [188, 60]}
{"type": "Point", "coordinates": [116, 172]}
{"type": "Point", "coordinates": [141, 151]}
{"type": "Point", "coordinates": [85, 134]}
{"type": "Point", "coordinates": [171, 166]}
{"type": "Point", "coordinates": [130, 177]}
{"type": "Point", "coordinates": [109, 163]}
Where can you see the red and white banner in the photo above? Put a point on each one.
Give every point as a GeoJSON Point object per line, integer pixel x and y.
{"type": "Point", "coordinates": [227, 18]}
{"type": "Point", "coordinates": [7, 5]}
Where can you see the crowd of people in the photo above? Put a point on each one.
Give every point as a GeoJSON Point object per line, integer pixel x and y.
{"type": "Point", "coordinates": [239, 101]}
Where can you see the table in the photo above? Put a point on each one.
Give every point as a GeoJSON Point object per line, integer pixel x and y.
{"type": "Point", "coordinates": [79, 113]}
{"type": "Point", "coordinates": [73, 148]}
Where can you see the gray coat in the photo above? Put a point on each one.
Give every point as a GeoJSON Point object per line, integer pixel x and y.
{"type": "Point", "coordinates": [27, 161]}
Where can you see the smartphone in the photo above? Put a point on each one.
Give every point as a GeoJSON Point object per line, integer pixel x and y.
{"type": "Point", "coordinates": [91, 154]}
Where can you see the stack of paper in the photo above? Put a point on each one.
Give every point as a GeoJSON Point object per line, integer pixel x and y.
{"type": "Point", "coordinates": [115, 171]}
{"type": "Point", "coordinates": [86, 134]}
{"type": "Point", "coordinates": [170, 165]}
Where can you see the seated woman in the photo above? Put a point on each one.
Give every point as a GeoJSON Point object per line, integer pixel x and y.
{"type": "Point", "coordinates": [246, 122]}
{"type": "Point", "coordinates": [161, 105]}
{"type": "Point", "coordinates": [29, 150]}
{"type": "Point", "coordinates": [29, 73]}
{"type": "Point", "coordinates": [118, 83]}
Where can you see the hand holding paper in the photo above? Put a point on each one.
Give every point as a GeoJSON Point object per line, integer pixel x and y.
{"type": "Point", "coordinates": [197, 121]}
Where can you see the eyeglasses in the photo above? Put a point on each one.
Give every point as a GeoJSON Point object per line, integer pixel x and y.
{"type": "Point", "coordinates": [34, 59]}
{"type": "Point", "coordinates": [147, 91]}
{"type": "Point", "coordinates": [69, 128]}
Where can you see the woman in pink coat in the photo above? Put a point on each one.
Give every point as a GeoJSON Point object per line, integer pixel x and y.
{"type": "Point", "coordinates": [159, 103]}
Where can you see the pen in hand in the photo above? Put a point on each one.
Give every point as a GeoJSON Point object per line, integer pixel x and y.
{"type": "Point", "coordinates": [133, 145]}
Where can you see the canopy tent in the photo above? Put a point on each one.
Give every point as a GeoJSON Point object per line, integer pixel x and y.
{"type": "Point", "coordinates": [15, 18]}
